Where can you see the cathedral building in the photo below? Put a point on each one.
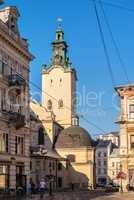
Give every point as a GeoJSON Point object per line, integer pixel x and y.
{"type": "Point", "coordinates": [59, 96]}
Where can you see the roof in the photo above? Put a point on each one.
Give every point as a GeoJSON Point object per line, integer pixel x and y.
{"type": "Point", "coordinates": [114, 133]}
{"type": "Point", "coordinates": [124, 86]}
{"type": "Point", "coordinates": [74, 137]}
{"type": "Point", "coordinates": [52, 154]}
{"type": "Point", "coordinates": [41, 112]}
{"type": "Point", "coordinates": [103, 143]}
{"type": "Point", "coordinates": [115, 152]}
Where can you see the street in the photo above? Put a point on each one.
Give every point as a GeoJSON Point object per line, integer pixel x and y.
{"type": "Point", "coordinates": [87, 196]}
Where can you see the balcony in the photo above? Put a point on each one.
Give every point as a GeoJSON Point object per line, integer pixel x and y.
{"type": "Point", "coordinates": [16, 80]}
{"type": "Point", "coordinates": [16, 117]}
{"type": "Point", "coordinates": [121, 119]}
{"type": "Point", "coordinates": [38, 150]}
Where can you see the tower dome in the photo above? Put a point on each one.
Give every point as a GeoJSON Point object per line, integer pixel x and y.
{"type": "Point", "coordinates": [74, 137]}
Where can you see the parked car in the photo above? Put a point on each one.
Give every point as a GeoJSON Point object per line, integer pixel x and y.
{"type": "Point", "coordinates": [102, 185]}
{"type": "Point", "coordinates": [111, 188]}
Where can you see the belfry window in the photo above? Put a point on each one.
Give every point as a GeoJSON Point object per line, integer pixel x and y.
{"type": "Point", "coordinates": [131, 111]}
{"type": "Point", "coordinates": [59, 36]}
{"type": "Point", "coordinates": [41, 139]}
{"type": "Point", "coordinates": [60, 103]}
{"type": "Point", "coordinates": [49, 105]}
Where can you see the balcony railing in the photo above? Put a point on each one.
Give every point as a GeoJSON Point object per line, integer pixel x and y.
{"type": "Point", "coordinates": [122, 119]}
{"type": "Point", "coordinates": [16, 80]}
{"type": "Point", "coordinates": [17, 119]}
{"type": "Point", "coordinates": [38, 150]}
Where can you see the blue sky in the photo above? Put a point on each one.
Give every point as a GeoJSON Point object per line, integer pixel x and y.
{"type": "Point", "coordinates": [38, 24]}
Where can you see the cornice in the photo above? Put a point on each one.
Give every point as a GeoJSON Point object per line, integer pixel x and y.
{"type": "Point", "coordinates": [15, 44]}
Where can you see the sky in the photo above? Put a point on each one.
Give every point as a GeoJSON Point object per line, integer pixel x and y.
{"type": "Point", "coordinates": [97, 101]}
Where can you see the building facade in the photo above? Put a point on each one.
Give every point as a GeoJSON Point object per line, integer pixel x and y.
{"type": "Point", "coordinates": [123, 158]}
{"type": "Point", "coordinates": [46, 163]}
{"type": "Point", "coordinates": [113, 137]}
{"type": "Point", "coordinates": [102, 152]}
{"type": "Point", "coordinates": [14, 102]}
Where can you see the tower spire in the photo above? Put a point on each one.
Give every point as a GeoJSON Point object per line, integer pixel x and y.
{"type": "Point", "coordinates": [60, 47]}
{"type": "Point", "coordinates": [59, 23]}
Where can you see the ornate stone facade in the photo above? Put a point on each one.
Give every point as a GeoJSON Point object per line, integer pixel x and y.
{"type": "Point", "coordinates": [14, 102]}
{"type": "Point", "coordinates": [123, 157]}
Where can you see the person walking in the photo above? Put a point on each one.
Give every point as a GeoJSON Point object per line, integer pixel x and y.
{"type": "Point", "coordinates": [42, 188]}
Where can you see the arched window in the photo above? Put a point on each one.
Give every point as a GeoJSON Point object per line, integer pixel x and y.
{"type": "Point", "coordinates": [60, 103]}
{"type": "Point", "coordinates": [49, 105]}
{"type": "Point", "coordinates": [59, 36]}
{"type": "Point", "coordinates": [71, 157]}
{"type": "Point", "coordinates": [41, 138]}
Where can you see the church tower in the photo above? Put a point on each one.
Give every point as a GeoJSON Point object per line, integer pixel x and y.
{"type": "Point", "coordinates": [59, 83]}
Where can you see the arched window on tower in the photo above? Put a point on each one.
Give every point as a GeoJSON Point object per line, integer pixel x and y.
{"type": "Point", "coordinates": [59, 36]}
{"type": "Point", "coordinates": [49, 105]}
{"type": "Point", "coordinates": [60, 103]}
{"type": "Point", "coordinates": [41, 136]}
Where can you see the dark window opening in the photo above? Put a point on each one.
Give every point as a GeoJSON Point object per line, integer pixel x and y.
{"type": "Point", "coordinates": [59, 182]}
{"type": "Point", "coordinates": [41, 139]}
{"type": "Point", "coordinates": [71, 158]}
{"type": "Point", "coordinates": [132, 141]}
{"type": "Point", "coordinates": [49, 104]}
{"type": "Point", "coordinates": [59, 166]}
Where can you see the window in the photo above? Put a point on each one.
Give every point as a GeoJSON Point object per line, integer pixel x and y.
{"type": "Point", "coordinates": [105, 171]}
{"type": "Point", "coordinates": [59, 166]}
{"type": "Point", "coordinates": [4, 176]}
{"type": "Point", "coordinates": [71, 158]}
{"type": "Point", "coordinates": [132, 141]}
{"type": "Point", "coordinates": [60, 103]}
{"type": "Point", "coordinates": [19, 145]}
{"type": "Point", "coordinates": [41, 139]}
{"type": "Point", "coordinates": [3, 142]}
{"type": "Point", "coordinates": [53, 165]}
{"type": "Point", "coordinates": [60, 182]}
{"type": "Point", "coordinates": [131, 111]}
{"type": "Point", "coordinates": [99, 171]}
{"type": "Point", "coordinates": [99, 154]}
{"type": "Point", "coordinates": [3, 99]}
{"type": "Point", "coordinates": [113, 164]}
{"type": "Point", "coordinates": [3, 68]}
{"type": "Point", "coordinates": [49, 105]}
{"type": "Point", "coordinates": [99, 162]}
{"type": "Point", "coordinates": [105, 154]}
{"type": "Point", "coordinates": [59, 36]}
{"type": "Point", "coordinates": [105, 163]}
{"type": "Point", "coordinates": [51, 81]}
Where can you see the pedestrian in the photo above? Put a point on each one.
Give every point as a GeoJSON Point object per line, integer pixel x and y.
{"type": "Point", "coordinates": [42, 188]}
{"type": "Point", "coordinates": [29, 190]}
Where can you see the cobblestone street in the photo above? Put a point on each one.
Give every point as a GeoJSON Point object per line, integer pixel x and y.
{"type": "Point", "coordinates": [87, 196]}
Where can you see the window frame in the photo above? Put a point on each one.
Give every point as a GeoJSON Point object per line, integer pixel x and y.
{"type": "Point", "coordinates": [131, 111]}
{"type": "Point", "coordinates": [131, 143]}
